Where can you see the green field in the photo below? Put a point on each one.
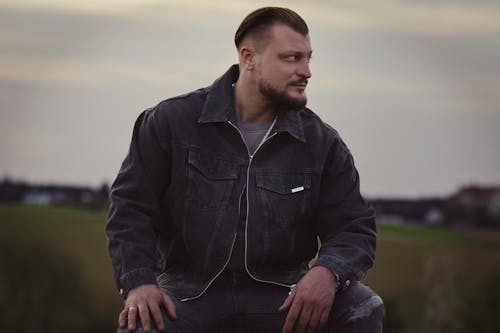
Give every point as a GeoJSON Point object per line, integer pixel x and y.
{"type": "Point", "coordinates": [422, 273]}
{"type": "Point", "coordinates": [426, 272]}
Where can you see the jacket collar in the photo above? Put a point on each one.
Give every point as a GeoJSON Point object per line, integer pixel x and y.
{"type": "Point", "coordinates": [219, 107]}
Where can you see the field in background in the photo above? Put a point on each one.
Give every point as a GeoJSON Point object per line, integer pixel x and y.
{"type": "Point", "coordinates": [422, 273]}
{"type": "Point", "coordinates": [70, 234]}
{"type": "Point", "coordinates": [425, 275]}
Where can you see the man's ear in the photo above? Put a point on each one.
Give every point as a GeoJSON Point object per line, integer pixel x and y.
{"type": "Point", "coordinates": [247, 57]}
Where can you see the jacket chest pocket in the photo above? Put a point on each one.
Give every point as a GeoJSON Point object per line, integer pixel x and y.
{"type": "Point", "coordinates": [285, 197]}
{"type": "Point", "coordinates": [210, 180]}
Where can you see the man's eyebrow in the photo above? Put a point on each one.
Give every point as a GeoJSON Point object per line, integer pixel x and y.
{"type": "Point", "coordinates": [296, 53]}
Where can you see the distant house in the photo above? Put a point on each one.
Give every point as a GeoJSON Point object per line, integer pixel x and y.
{"type": "Point", "coordinates": [473, 206]}
{"type": "Point", "coordinates": [400, 211]}
{"type": "Point", "coordinates": [494, 206]}
{"type": "Point", "coordinates": [476, 206]}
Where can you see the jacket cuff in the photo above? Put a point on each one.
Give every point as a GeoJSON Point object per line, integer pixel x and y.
{"type": "Point", "coordinates": [342, 272]}
{"type": "Point", "coordinates": [136, 278]}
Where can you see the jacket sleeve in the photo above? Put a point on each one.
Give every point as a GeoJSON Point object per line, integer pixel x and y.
{"type": "Point", "coordinates": [133, 222]}
{"type": "Point", "coordinates": [345, 225]}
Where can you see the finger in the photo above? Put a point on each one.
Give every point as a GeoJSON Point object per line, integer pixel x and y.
{"type": "Point", "coordinates": [314, 321]}
{"type": "Point", "coordinates": [169, 304]}
{"type": "Point", "coordinates": [157, 317]}
{"type": "Point", "coordinates": [324, 318]}
{"type": "Point", "coordinates": [132, 317]}
{"type": "Point", "coordinates": [145, 319]}
{"type": "Point", "coordinates": [288, 301]}
{"type": "Point", "coordinates": [302, 322]}
{"type": "Point", "coordinates": [291, 318]}
{"type": "Point", "coordinates": [122, 318]}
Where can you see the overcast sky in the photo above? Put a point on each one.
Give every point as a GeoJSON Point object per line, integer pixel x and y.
{"type": "Point", "coordinates": [413, 87]}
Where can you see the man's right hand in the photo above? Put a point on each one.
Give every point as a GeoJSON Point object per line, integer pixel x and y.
{"type": "Point", "coordinates": [145, 301]}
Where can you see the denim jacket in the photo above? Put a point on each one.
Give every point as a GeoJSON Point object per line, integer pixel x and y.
{"type": "Point", "coordinates": [175, 202]}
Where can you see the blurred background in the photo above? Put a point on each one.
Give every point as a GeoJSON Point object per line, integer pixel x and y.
{"type": "Point", "coordinates": [412, 86]}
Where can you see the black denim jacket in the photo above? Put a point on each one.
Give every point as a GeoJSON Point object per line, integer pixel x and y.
{"type": "Point", "coordinates": [175, 202]}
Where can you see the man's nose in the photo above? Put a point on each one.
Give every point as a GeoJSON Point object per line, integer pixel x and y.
{"type": "Point", "coordinates": [304, 70]}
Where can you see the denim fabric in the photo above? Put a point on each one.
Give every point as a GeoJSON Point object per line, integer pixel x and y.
{"type": "Point", "coordinates": [175, 202]}
{"type": "Point", "coordinates": [238, 304]}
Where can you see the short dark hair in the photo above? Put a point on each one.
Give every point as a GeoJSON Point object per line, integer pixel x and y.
{"type": "Point", "coordinates": [258, 22]}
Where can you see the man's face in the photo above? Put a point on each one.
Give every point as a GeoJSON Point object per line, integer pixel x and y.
{"type": "Point", "coordinates": [282, 68]}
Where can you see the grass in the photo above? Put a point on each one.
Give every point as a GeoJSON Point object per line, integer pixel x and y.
{"type": "Point", "coordinates": [414, 263]}
{"type": "Point", "coordinates": [75, 232]}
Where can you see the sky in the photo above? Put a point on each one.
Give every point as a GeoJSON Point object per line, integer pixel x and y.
{"type": "Point", "coordinates": [413, 87]}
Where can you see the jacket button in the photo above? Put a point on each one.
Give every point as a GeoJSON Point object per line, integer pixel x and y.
{"type": "Point", "coordinates": [347, 283]}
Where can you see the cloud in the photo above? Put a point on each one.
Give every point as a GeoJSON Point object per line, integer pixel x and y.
{"type": "Point", "coordinates": [430, 19]}
{"type": "Point", "coordinates": [413, 77]}
{"type": "Point", "coordinates": [426, 18]}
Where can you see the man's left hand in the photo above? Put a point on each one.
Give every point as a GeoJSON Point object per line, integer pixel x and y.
{"type": "Point", "coordinates": [309, 303]}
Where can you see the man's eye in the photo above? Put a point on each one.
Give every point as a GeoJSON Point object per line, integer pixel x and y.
{"type": "Point", "coordinates": [292, 58]}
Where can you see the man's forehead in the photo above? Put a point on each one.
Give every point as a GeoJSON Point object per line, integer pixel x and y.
{"type": "Point", "coordinates": [284, 37]}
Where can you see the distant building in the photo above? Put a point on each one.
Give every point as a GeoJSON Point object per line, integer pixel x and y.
{"type": "Point", "coordinates": [36, 194]}
{"type": "Point", "coordinates": [476, 206]}
{"type": "Point", "coordinates": [400, 211]}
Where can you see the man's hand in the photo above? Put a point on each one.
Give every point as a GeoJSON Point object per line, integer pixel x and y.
{"type": "Point", "coordinates": [142, 301]}
{"type": "Point", "coordinates": [309, 303]}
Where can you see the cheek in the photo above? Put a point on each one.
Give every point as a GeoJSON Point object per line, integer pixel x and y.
{"type": "Point", "coordinates": [278, 75]}
{"type": "Point", "coordinates": [291, 75]}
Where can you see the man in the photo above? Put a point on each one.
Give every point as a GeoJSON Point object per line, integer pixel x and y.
{"type": "Point", "coordinates": [219, 203]}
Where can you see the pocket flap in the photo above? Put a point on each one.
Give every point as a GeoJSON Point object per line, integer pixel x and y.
{"type": "Point", "coordinates": [212, 166]}
{"type": "Point", "coordinates": [285, 182]}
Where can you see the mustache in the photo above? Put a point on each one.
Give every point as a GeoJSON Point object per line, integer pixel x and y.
{"type": "Point", "coordinates": [299, 82]}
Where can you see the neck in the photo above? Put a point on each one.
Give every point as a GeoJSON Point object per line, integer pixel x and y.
{"type": "Point", "coordinates": [250, 105]}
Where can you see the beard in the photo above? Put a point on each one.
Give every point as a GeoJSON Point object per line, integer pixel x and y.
{"type": "Point", "coordinates": [281, 100]}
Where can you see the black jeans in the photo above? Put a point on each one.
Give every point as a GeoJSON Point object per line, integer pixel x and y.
{"type": "Point", "coordinates": [238, 304]}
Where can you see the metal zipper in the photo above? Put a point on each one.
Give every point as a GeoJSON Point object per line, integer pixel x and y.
{"type": "Point", "coordinates": [266, 138]}
{"type": "Point", "coordinates": [216, 275]}
{"type": "Point", "coordinates": [232, 245]}
{"type": "Point", "coordinates": [239, 202]}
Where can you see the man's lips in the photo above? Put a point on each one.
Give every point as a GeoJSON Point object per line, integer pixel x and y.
{"type": "Point", "coordinates": [301, 83]}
